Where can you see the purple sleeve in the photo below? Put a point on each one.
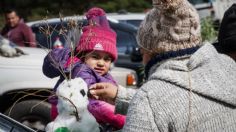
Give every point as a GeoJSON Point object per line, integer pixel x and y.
{"type": "Point", "coordinates": [82, 70]}
{"type": "Point", "coordinates": [54, 62]}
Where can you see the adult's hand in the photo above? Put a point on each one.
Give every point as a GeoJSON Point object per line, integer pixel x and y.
{"type": "Point", "coordinates": [104, 91]}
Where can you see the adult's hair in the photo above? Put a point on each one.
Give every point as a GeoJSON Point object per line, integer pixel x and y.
{"type": "Point", "coordinates": [227, 32]}
{"type": "Point", "coordinates": [10, 10]}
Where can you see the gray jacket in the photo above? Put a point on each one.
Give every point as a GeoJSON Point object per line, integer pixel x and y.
{"type": "Point", "coordinates": [187, 94]}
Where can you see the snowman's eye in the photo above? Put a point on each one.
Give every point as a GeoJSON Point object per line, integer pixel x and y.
{"type": "Point", "coordinates": [82, 92]}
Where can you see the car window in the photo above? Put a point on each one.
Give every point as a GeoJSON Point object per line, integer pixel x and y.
{"type": "Point", "coordinates": [199, 1]}
{"type": "Point", "coordinates": [133, 22]}
{"type": "Point", "coordinates": [125, 42]}
{"type": "Point", "coordinates": [44, 40]}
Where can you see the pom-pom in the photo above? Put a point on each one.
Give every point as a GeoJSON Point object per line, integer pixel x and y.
{"type": "Point", "coordinates": [95, 12]}
{"type": "Point", "coordinates": [97, 17]}
{"type": "Point", "coordinates": [167, 4]}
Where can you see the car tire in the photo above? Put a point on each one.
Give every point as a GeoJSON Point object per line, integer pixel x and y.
{"type": "Point", "coordinates": [32, 113]}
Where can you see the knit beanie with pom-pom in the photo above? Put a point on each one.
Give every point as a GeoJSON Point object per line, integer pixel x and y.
{"type": "Point", "coordinates": [172, 25]}
{"type": "Point", "coordinates": [98, 35]}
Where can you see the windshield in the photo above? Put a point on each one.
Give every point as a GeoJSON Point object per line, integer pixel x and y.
{"type": "Point", "coordinates": [194, 2]}
{"type": "Point", "coordinates": [125, 40]}
{"type": "Point", "coordinates": [133, 22]}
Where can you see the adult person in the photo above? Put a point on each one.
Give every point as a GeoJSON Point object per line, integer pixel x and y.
{"type": "Point", "coordinates": [227, 33]}
{"type": "Point", "coordinates": [190, 86]}
{"type": "Point", "coordinates": [16, 30]}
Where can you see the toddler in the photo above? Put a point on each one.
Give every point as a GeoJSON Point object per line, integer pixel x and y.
{"type": "Point", "coordinates": [95, 53]}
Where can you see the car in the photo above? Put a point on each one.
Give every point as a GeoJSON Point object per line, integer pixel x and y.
{"type": "Point", "coordinates": [25, 89]}
{"type": "Point", "coordinates": [8, 124]}
{"type": "Point", "coordinates": [126, 40]}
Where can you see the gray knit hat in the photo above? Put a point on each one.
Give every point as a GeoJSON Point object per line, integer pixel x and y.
{"type": "Point", "coordinates": [170, 26]}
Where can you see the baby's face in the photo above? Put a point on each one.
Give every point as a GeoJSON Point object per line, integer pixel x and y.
{"type": "Point", "coordinates": [99, 61]}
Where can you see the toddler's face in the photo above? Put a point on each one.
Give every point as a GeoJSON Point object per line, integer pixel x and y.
{"type": "Point", "coordinates": [99, 61]}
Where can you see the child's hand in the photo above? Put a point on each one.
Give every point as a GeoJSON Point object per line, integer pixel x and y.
{"type": "Point", "coordinates": [104, 91]}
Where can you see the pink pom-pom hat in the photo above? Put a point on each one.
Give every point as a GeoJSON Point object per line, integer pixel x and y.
{"type": "Point", "coordinates": [98, 35]}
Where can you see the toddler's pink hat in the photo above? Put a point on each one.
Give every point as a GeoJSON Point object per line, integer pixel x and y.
{"type": "Point", "coordinates": [98, 35]}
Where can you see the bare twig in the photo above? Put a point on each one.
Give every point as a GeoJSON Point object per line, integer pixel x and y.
{"type": "Point", "coordinates": [29, 94]}
{"type": "Point", "coordinates": [76, 110]}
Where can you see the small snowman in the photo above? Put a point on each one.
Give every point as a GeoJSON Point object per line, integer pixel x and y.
{"type": "Point", "coordinates": [73, 115]}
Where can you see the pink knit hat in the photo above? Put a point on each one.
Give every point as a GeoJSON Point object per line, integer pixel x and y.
{"type": "Point", "coordinates": [98, 35]}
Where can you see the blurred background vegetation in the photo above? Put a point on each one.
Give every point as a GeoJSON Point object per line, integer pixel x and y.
{"type": "Point", "coordinates": [209, 30]}
{"type": "Point", "coordinates": [38, 9]}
